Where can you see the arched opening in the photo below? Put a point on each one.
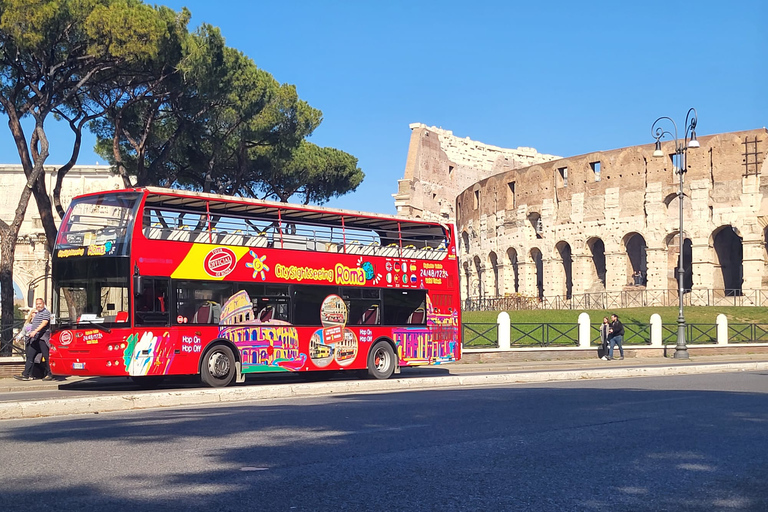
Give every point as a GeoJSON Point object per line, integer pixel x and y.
{"type": "Point", "coordinates": [495, 267]}
{"type": "Point", "coordinates": [465, 242]}
{"type": "Point", "coordinates": [566, 279]}
{"type": "Point", "coordinates": [538, 263]}
{"type": "Point", "coordinates": [512, 255]}
{"type": "Point", "coordinates": [637, 264]}
{"type": "Point", "coordinates": [467, 278]}
{"type": "Point", "coordinates": [479, 271]}
{"type": "Point", "coordinates": [729, 252]}
{"type": "Point", "coordinates": [535, 219]}
{"type": "Point", "coordinates": [673, 262]}
{"type": "Point", "coordinates": [597, 271]}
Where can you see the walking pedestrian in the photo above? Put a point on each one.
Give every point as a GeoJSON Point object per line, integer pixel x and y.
{"type": "Point", "coordinates": [604, 327]}
{"type": "Point", "coordinates": [38, 342]}
{"type": "Point", "coordinates": [615, 336]}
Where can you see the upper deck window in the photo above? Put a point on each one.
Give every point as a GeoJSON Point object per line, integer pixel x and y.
{"type": "Point", "coordinates": [97, 226]}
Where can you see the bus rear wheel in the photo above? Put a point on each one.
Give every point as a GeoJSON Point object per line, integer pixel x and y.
{"type": "Point", "coordinates": [218, 368]}
{"type": "Point", "coordinates": [381, 361]}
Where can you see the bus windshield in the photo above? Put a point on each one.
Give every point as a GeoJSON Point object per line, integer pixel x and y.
{"type": "Point", "coordinates": [97, 226]}
{"type": "Point", "coordinates": [91, 291]}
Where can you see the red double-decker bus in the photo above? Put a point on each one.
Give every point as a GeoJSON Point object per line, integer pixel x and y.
{"type": "Point", "coordinates": [153, 282]}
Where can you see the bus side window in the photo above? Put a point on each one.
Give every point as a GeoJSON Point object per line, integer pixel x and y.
{"type": "Point", "coordinates": [404, 307]}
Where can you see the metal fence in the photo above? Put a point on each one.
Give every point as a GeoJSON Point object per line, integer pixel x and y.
{"type": "Point", "coordinates": [10, 348]}
{"type": "Point", "coordinates": [631, 298]}
{"type": "Point", "coordinates": [485, 335]}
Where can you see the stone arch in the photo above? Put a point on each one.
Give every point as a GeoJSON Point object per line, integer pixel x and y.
{"type": "Point", "coordinates": [534, 219]}
{"type": "Point", "coordinates": [479, 271]}
{"type": "Point", "coordinates": [673, 261]}
{"type": "Point", "coordinates": [513, 263]}
{"type": "Point", "coordinates": [597, 270]}
{"type": "Point", "coordinates": [729, 255]}
{"type": "Point", "coordinates": [465, 242]}
{"type": "Point", "coordinates": [467, 279]}
{"type": "Point", "coordinates": [637, 260]}
{"type": "Point", "coordinates": [494, 261]}
{"type": "Point", "coordinates": [538, 271]}
{"type": "Point", "coordinates": [562, 280]}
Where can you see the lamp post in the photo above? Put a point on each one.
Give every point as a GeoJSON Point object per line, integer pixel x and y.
{"type": "Point", "coordinates": [679, 159]}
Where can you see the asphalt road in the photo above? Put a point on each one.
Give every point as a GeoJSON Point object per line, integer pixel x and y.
{"type": "Point", "coordinates": [675, 443]}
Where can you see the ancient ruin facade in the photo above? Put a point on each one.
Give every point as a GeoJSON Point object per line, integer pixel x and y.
{"type": "Point", "coordinates": [606, 223]}
{"type": "Point", "coordinates": [441, 165]}
{"type": "Point", "coordinates": [32, 260]}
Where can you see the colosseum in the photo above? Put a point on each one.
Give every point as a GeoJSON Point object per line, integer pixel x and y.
{"type": "Point", "coordinates": [598, 230]}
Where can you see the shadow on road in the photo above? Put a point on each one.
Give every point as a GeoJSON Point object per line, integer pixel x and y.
{"type": "Point", "coordinates": [593, 447]}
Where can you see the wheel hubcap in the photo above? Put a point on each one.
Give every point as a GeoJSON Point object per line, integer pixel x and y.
{"type": "Point", "coordinates": [381, 360]}
{"type": "Point", "coordinates": [218, 365]}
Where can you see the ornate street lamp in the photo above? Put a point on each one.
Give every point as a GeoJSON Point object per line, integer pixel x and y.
{"type": "Point", "coordinates": [679, 159]}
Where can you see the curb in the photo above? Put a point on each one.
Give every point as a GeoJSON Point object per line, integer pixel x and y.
{"type": "Point", "coordinates": [128, 402]}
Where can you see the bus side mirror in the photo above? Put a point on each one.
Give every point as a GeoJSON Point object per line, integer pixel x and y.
{"type": "Point", "coordinates": [30, 296]}
{"type": "Point", "coordinates": [137, 284]}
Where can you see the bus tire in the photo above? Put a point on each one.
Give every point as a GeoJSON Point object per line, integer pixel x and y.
{"type": "Point", "coordinates": [148, 381]}
{"type": "Point", "coordinates": [381, 360]}
{"type": "Point", "coordinates": [218, 368]}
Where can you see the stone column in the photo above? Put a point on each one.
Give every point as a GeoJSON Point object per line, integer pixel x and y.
{"type": "Point", "coordinates": [616, 271]}
{"type": "Point", "coordinates": [704, 268]}
{"type": "Point", "coordinates": [526, 278]}
{"type": "Point", "coordinates": [656, 262]}
{"type": "Point", "coordinates": [753, 264]}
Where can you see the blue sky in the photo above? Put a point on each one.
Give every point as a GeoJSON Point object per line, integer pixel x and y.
{"type": "Point", "coordinates": [566, 78]}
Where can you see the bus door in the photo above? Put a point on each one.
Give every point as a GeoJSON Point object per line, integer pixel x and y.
{"type": "Point", "coordinates": [153, 344]}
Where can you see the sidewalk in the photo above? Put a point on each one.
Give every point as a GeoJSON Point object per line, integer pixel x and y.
{"type": "Point", "coordinates": [93, 400]}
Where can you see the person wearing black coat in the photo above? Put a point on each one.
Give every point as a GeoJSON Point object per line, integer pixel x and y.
{"type": "Point", "coordinates": [615, 336]}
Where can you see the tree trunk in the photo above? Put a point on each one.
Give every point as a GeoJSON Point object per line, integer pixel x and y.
{"type": "Point", "coordinates": [6, 293]}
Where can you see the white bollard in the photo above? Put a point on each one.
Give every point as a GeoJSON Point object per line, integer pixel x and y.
{"type": "Point", "coordinates": [656, 330]}
{"type": "Point", "coordinates": [503, 330]}
{"type": "Point", "coordinates": [722, 329]}
{"type": "Point", "coordinates": [584, 330]}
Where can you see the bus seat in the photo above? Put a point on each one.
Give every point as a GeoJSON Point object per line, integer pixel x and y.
{"type": "Point", "coordinates": [122, 316]}
{"type": "Point", "coordinates": [202, 315]}
{"type": "Point", "coordinates": [259, 240]}
{"type": "Point", "coordinates": [180, 234]}
{"type": "Point", "coordinates": [233, 239]}
{"type": "Point", "coordinates": [266, 313]}
{"type": "Point", "coordinates": [371, 249]}
{"type": "Point", "coordinates": [207, 313]}
{"type": "Point", "coordinates": [410, 251]}
{"type": "Point", "coordinates": [391, 250]}
{"type": "Point", "coordinates": [417, 317]}
{"type": "Point", "coordinates": [370, 316]}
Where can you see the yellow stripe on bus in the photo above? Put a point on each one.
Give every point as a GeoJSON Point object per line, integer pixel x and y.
{"type": "Point", "coordinates": [194, 264]}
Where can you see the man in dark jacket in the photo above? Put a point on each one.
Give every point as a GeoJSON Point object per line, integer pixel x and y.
{"type": "Point", "coordinates": [615, 336]}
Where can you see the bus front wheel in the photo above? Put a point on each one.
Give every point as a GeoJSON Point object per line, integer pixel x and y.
{"type": "Point", "coordinates": [218, 368]}
{"type": "Point", "coordinates": [381, 361]}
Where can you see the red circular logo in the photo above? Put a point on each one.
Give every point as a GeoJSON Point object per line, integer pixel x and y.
{"type": "Point", "coordinates": [65, 338]}
{"type": "Point", "coordinates": [220, 262]}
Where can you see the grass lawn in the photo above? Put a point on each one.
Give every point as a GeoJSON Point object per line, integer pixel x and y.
{"type": "Point", "coordinates": [558, 327]}
{"type": "Point", "coordinates": [693, 315]}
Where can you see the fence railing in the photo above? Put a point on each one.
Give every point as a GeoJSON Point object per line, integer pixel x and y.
{"type": "Point", "coordinates": [485, 335]}
{"type": "Point", "coordinates": [631, 298]}
{"type": "Point", "coordinates": [9, 348]}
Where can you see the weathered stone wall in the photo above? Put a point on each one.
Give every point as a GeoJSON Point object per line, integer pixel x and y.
{"type": "Point", "coordinates": [32, 259]}
{"type": "Point", "coordinates": [440, 165]}
{"type": "Point", "coordinates": [632, 194]}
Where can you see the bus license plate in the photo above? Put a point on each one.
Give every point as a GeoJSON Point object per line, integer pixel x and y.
{"type": "Point", "coordinates": [78, 366]}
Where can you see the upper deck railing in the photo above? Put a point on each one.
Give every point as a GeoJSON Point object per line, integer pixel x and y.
{"type": "Point", "coordinates": [199, 220]}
